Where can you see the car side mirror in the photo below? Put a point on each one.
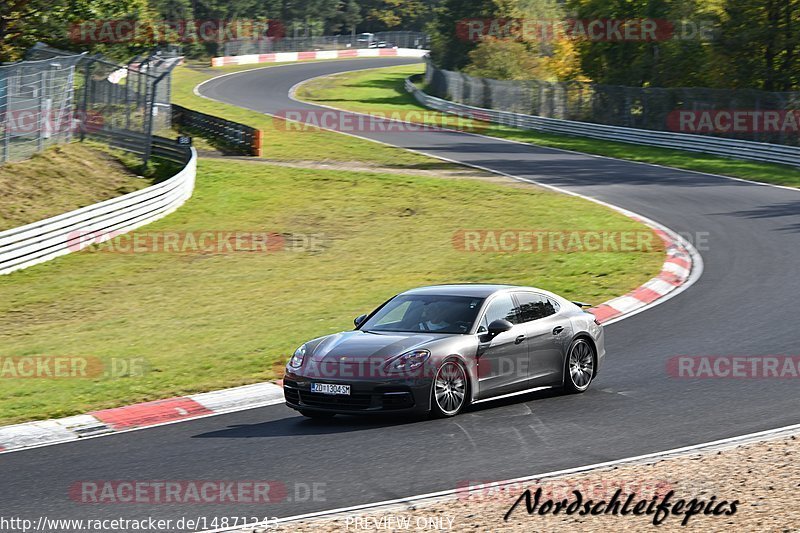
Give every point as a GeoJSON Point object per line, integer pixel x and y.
{"type": "Point", "coordinates": [499, 326]}
{"type": "Point", "coordinates": [359, 320]}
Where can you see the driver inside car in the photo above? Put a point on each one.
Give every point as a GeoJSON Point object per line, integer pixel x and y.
{"type": "Point", "coordinates": [434, 317]}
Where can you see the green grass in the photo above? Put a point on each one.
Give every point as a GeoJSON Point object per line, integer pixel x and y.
{"type": "Point", "coordinates": [205, 321]}
{"type": "Point", "coordinates": [280, 143]}
{"type": "Point", "coordinates": [382, 90]}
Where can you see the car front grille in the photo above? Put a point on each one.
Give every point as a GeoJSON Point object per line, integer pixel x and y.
{"type": "Point", "coordinates": [354, 401]}
{"type": "Point", "coordinates": [388, 399]}
{"type": "Point", "coordinates": [291, 392]}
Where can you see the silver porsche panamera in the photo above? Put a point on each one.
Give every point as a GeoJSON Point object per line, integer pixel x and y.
{"type": "Point", "coordinates": [441, 348]}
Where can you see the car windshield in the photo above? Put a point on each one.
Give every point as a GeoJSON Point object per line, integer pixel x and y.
{"type": "Point", "coordinates": [418, 313]}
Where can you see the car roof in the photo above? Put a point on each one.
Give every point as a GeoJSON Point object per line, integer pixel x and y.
{"type": "Point", "coordinates": [479, 290]}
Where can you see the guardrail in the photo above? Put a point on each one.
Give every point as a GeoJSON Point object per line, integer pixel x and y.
{"type": "Point", "coordinates": [134, 142]}
{"type": "Point", "coordinates": [755, 151]}
{"type": "Point", "coordinates": [62, 234]}
{"type": "Point", "coordinates": [237, 137]}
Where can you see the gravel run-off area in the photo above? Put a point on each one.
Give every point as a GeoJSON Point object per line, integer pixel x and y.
{"type": "Point", "coordinates": [763, 478]}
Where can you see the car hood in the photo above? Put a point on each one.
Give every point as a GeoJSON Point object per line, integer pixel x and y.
{"type": "Point", "coordinates": [355, 346]}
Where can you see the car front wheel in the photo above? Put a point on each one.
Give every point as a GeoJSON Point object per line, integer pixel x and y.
{"type": "Point", "coordinates": [579, 371]}
{"type": "Point", "coordinates": [449, 389]}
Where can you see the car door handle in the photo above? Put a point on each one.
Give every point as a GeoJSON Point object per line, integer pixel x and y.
{"type": "Point", "coordinates": [519, 339]}
{"type": "Point", "coordinates": [557, 330]}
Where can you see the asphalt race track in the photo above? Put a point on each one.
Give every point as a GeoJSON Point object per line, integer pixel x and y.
{"type": "Point", "coordinates": [745, 303]}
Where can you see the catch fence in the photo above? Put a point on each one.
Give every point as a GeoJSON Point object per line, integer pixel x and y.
{"type": "Point", "coordinates": [53, 96]}
{"type": "Point", "coordinates": [680, 110]}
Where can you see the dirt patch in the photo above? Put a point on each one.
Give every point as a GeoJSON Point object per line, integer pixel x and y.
{"type": "Point", "coordinates": [445, 170]}
{"type": "Point", "coordinates": [61, 179]}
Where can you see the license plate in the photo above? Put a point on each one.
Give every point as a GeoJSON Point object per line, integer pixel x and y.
{"type": "Point", "coordinates": [330, 388]}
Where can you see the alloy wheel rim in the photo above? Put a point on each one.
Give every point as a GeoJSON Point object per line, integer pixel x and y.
{"type": "Point", "coordinates": [450, 388]}
{"type": "Point", "coordinates": [581, 364]}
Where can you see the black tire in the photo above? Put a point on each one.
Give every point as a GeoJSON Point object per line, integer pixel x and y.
{"type": "Point", "coordinates": [319, 415]}
{"type": "Point", "coordinates": [579, 366]}
{"type": "Point", "coordinates": [447, 404]}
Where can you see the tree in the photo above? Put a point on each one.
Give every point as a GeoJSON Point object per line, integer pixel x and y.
{"type": "Point", "coordinates": [24, 22]}
{"type": "Point", "coordinates": [680, 54]}
{"type": "Point", "coordinates": [758, 44]}
{"type": "Point", "coordinates": [450, 43]}
{"type": "Point", "coordinates": [410, 15]}
{"type": "Point", "coordinates": [505, 59]}
{"type": "Point", "coordinates": [351, 16]}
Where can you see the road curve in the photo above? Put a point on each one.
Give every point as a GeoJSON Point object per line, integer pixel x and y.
{"type": "Point", "coordinates": [744, 304]}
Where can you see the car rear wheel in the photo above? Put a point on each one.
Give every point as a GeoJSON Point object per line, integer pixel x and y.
{"type": "Point", "coordinates": [579, 368]}
{"type": "Point", "coordinates": [449, 395]}
{"type": "Point", "coordinates": [321, 415]}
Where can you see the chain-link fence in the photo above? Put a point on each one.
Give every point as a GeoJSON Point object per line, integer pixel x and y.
{"type": "Point", "coordinates": [36, 105]}
{"type": "Point", "coordinates": [267, 45]}
{"type": "Point", "coordinates": [763, 116]}
{"type": "Point", "coordinates": [54, 95]}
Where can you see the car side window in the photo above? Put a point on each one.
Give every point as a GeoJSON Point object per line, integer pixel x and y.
{"type": "Point", "coordinates": [501, 306]}
{"type": "Point", "coordinates": [534, 306]}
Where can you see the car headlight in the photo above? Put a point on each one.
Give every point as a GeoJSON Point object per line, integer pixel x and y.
{"type": "Point", "coordinates": [408, 361]}
{"type": "Point", "coordinates": [297, 359]}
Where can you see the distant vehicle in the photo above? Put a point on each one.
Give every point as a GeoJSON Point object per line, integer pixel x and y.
{"type": "Point", "coordinates": [365, 38]}
{"type": "Point", "coordinates": [438, 349]}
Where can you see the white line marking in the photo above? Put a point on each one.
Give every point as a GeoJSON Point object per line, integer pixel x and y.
{"type": "Point", "coordinates": [730, 442]}
{"type": "Point", "coordinates": [511, 395]}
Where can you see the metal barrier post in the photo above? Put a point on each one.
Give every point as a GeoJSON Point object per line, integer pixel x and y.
{"type": "Point", "coordinates": [148, 146]}
{"type": "Point", "coordinates": [148, 128]}
{"type": "Point", "coordinates": [40, 106]}
{"type": "Point", "coordinates": [87, 83]}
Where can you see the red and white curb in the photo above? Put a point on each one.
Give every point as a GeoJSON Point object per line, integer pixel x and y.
{"type": "Point", "coordinates": [285, 57]}
{"type": "Point", "coordinates": [675, 272]}
{"type": "Point", "coordinates": [138, 416]}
